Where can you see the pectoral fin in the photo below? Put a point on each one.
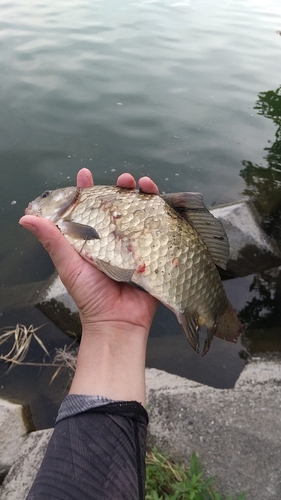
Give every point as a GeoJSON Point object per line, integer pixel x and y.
{"type": "Point", "coordinates": [113, 272]}
{"type": "Point", "coordinates": [191, 207]}
{"type": "Point", "coordinates": [77, 230]}
{"type": "Point", "coordinates": [189, 323]}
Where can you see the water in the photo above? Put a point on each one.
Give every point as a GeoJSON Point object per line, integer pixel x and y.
{"type": "Point", "coordinates": [159, 88]}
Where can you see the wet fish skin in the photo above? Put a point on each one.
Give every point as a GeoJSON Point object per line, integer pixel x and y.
{"type": "Point", "coordinates": [142, 239]}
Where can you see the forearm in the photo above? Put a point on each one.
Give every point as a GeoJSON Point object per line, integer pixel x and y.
{"type": "Point", "coordinates": [97, 451]}
{"type": "Point", "coordinates": [99, 445]}
{"type": "Point", "coordinates": [111, 362]}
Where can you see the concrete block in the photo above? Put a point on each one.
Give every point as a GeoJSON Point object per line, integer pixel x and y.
{"type": "Point", "coordinates": [15, 423]}
{"type": "Point", "coordinates": [58, 291]}
{"type": "Point", "coordinates": [260, 373]}
{"type": "Point", "coordinates": [56, 303]}
{"type": "Point", "coordinates": [236, 433]}
{"type": "Point", "coordinates": [22, 474]}
{"type": "Point", "coordinates": [251, 250]}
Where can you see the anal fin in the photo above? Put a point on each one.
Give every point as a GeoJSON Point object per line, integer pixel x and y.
{"type": "Point", "coordinates": [208, 340]}
{"type": "Point", "coordinates": [114, 272]}
{"type": "Point", "coordinates": [189, 323]}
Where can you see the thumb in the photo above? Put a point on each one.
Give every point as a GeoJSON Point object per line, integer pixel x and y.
{"type": "Point", "coordinates": [64, 257]}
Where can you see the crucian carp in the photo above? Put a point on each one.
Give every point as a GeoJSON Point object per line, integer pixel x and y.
{"type": "Point", "coordinates": [169, 245]}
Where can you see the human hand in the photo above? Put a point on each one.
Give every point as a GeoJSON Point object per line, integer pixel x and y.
{"type": "Point", "coordinates": [115, 317]}
{"type": "Point", "coordinates": [98, 298]}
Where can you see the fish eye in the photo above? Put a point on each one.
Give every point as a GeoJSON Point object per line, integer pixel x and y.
{"type": "Point", "coordinates": [45, 194]}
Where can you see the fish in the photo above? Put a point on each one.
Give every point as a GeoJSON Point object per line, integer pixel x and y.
{"type": "Point", "coordinates": [168, 245]}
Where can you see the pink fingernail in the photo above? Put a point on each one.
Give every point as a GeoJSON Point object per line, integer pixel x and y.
{"type": "Point", "coordinates": [30, 227]}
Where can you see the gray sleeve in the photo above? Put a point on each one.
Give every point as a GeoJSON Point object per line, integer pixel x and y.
{"type": "Point", "coordinates": [97, 452]}
{"type": "Point", "coordinates": [74, 404]}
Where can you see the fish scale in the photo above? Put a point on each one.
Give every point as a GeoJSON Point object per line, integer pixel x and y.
{"type": "Point", "coordinates": [150, 241]}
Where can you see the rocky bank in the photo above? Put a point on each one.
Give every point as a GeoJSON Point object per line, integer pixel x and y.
{"type": "Point", "coordinates": [236, 433]}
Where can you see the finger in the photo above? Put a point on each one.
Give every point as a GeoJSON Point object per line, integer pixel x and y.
{"type": "Point", "coordinates": [60, 251]}
{"type": "Point", "coordinates": [148, 186]}
{"type": "Point", "coordinates": [126, 181]}
{"type": "Point", "coordinates": [84, 178]}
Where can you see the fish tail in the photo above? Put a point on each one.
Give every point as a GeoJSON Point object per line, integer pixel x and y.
{"type": "Point", "coordinates": [227, 327]}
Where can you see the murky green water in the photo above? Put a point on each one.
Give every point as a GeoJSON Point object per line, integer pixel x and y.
{"type": "Point", "coordinates": [161, 88]}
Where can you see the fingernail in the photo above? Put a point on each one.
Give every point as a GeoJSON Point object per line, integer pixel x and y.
{"type": "Point", "coordinates": [30, 227]}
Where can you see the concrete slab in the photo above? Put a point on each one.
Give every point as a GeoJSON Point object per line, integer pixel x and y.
{"type": "Point", "coordinates": [259, 373]}
{"type": "Point", "coordinates": [251, 250]}
{"type": "Point", "coordinates": [58, 290]}
{"type": "Point", "coordinates": [15, 423]}
{"type": "Point", "coordinates": [22, 474]}
{"type": "Point", "coordinates": [236, 433]}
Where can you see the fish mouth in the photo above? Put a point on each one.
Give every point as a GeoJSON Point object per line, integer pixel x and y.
{"type": "Point", "coordinates": [28, 209]}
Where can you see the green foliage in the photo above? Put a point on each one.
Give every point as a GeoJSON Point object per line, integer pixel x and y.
{"type": "Point", "coordinates": [166, 480]}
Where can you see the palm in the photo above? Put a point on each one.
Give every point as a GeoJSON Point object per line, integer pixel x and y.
{"type": "Point", "coordinates": [102, 299]}
{"type": "Point", "coordinates": [96, 295]}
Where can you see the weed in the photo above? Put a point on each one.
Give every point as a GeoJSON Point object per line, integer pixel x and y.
{"type": "Point", "coordinates": [166, 480]}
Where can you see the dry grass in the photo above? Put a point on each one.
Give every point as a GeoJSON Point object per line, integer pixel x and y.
{"type": "Point", "coordinates": [65, 358]}
{"type": "Point", "coordinates": [22, 337]}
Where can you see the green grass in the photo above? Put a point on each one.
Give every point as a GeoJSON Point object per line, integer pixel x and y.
{"type": "Point", "coordinates": [166, 480]}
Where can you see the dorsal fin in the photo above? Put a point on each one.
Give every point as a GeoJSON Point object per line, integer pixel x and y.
{"type": "Point", "coordinates": [191, 207]}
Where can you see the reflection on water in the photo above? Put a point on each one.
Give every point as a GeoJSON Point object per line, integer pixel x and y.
{"type": "Point", "coordinates": [262, 314]}
{"type": "Point", "coordinates": [160, 88]}
{"type": "Point", "coordinates": [263, 183]}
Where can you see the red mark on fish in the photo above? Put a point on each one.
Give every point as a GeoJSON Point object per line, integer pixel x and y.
{"type": "Point", "coordinates": [141, 268]}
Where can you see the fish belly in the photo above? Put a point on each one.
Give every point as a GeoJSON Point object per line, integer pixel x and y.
{"type": "Point", "coordinates": [166, 255]}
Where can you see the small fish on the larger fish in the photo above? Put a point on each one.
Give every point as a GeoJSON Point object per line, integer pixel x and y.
{"type": "Point", "coordinates": [168, 245]}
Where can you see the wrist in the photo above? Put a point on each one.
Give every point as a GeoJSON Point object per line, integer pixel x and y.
{"type": "Point", "coordinates": [111, 361]}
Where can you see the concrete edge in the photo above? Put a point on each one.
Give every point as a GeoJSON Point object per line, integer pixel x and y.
{"type": "Point", "coordinates": [182, 419]}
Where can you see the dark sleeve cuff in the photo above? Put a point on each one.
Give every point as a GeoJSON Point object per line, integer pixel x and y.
{"type": "Point", "coordinates": [74, 404]}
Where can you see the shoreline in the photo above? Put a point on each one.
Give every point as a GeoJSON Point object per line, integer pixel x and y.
{"type": "Point", "coordinates": [235, 433]}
